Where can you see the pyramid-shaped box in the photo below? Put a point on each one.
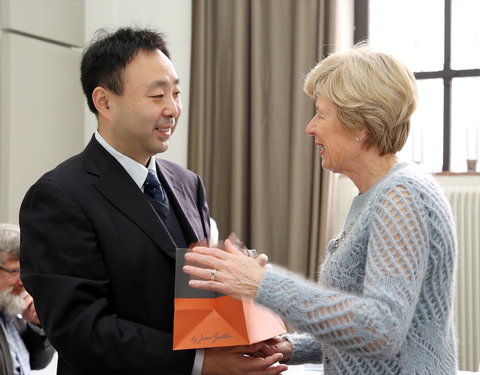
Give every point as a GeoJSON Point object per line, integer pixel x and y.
{"type": "Point", "coordinates": [205, 319]}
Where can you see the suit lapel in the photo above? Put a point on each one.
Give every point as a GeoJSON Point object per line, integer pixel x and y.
{"type": "Point", "coordinates": [116, 185]}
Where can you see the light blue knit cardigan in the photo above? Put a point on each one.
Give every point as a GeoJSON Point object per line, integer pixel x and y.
{"type": "Point", "coordinates": [384, 301]}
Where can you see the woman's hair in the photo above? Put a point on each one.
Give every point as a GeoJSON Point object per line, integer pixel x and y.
{"type": "Point", "coordinates": [371, 91]}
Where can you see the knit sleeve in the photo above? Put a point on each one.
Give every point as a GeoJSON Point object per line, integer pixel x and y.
{"type": "Point", "coordinates": [306, 349]}
{"type": "Point", "coordinates": [374, 323]}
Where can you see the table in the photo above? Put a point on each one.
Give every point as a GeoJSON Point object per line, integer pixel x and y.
{"type": "Point", "coordinates": [305, 369]}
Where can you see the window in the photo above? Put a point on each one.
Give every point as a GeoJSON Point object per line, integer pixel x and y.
{"type": "Point", "coordinates": [439, 40]}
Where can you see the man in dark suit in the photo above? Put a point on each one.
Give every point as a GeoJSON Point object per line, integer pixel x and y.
{"type": "Point", "coordinates": [23, 344]}
{"type": "Point", "coordinates": [98, 253]}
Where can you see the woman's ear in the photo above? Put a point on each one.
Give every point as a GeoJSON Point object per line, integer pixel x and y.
{"type": "Point", "coordinates": [361, 135]}
{"type": "Point", "coordinates": [101, 99]}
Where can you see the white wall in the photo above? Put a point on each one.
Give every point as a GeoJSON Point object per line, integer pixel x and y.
{"type": "Point", "coordinates": [172, 17]}
{"type": "Point", "coordinates": [41, 117]}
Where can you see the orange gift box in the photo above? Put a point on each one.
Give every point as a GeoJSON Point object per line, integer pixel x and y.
{"type": "Point", "coordinates": [205, 319]}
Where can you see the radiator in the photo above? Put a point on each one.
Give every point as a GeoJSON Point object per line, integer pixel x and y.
{"type": "Point", "coordinates": [465, 202]}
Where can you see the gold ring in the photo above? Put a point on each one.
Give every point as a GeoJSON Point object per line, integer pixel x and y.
{"type": "Point", "coordinates": [212, 274]}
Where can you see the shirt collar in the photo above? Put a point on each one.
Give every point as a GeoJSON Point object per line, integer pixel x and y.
{"type": "Point", "coordinates": [137, 171]}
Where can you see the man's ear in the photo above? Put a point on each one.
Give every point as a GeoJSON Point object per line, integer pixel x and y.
{"type": "Point", "coordinates": [101, 99]}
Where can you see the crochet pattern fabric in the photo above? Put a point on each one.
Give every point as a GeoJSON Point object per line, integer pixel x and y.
{"type": "Point", "coordinates": [384, 301]}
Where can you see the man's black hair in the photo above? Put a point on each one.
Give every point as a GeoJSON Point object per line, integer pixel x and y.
{"type": "Point", "coordinates": [106, 57]}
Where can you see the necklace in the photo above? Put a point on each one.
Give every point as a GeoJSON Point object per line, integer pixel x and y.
{"type": "Point", "coordinates": [345, 233]}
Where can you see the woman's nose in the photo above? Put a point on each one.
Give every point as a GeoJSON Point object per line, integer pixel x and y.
{"type": "Point", "coordinates": [310, 129]}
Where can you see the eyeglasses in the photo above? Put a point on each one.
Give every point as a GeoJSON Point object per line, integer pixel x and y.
{"type": "Point", "coordinates": [13, 272]}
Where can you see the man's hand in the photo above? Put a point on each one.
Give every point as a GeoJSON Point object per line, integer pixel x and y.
{"type": "Point", "coordinates": [30, 314]}
{"type": "Point", "coordinates": [276, 345]}
{"type": "Point", "coordinates": [240, 360]}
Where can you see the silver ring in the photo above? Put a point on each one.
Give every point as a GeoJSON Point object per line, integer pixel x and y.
{"type": "Point", "coordinates": [212, 274]}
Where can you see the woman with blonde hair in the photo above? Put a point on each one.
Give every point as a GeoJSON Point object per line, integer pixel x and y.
{"type": "Point", "coordinates": [384, 300]}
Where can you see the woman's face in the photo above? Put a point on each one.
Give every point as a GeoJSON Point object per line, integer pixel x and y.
{"type": "Point", "coordinates": [338, 147]}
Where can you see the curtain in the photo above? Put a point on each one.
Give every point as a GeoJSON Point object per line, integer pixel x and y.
{"type": "Point", "coordinates": [247, 122]}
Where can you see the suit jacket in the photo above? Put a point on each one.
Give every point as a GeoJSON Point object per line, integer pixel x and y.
{"type": "Point", "coordinates": [40, 350]}
{"type": "Point", "coordinates": [100, 265]}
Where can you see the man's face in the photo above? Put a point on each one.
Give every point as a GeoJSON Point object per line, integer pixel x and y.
{"type": "Point", "coordinates": [10, 278]}
{"type": "Point", "coordinates": [144, 118]}
{"type": "Point", "coordinates": [11, 287]}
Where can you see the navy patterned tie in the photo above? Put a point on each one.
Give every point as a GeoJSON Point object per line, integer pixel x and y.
{"type": "Point", "coordinates": [153, 188]}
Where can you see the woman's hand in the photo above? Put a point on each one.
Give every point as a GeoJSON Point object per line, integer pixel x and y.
{"type": "Point", "coordinates": [228, 271]}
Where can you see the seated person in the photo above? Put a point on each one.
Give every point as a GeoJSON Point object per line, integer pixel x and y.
{"type": "Point", "coordinates": [23, 345]}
